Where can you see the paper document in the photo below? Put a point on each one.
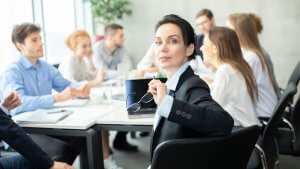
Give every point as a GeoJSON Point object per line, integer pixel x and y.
{"type": "Point", "coordinates": [44, 116]}
{"type": "Point", "coordinates": [72, 103]}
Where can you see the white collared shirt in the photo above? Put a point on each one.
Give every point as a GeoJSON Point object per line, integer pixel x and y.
{"type": "Point", "coordinates": [267, 98]}
{"type": "Point", "coordinates": [229, 89]}
{"type": "Point", "coordinates": [74, 71]}
{"type": "Point", "coordinates": [164, 108]}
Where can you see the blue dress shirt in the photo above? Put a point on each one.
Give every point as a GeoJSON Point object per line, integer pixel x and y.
{"type": "Point", "coordinates": [34, 84]}
{"type": "Point", "coordinates": [164, 109]}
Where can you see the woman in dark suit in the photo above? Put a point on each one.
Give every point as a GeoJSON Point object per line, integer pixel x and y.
{"type": "Point", "coordinates": [185, 106]}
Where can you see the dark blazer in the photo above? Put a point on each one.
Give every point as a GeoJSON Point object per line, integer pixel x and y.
{"type": "Point", "coordinates": [193, 114]}
{"type": "Point", "coordinates": [18, 139]}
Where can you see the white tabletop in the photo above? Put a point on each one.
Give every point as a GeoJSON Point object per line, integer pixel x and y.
{"type": "Point", "coordinates": [99, 110]}
{"type": "Point", "coordinates": [120, 116]}
{"type": "Point", "coordinates": [81, 118]}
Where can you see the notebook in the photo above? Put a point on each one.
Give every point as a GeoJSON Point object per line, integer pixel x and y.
{"type": "Point", "coordinates": [142, 113]}
{"type": "Point", "coordinates": [44, 116]}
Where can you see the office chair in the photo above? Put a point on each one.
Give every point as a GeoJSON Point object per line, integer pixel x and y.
{"type": "Point", "coordinates": [288, 136]}
{"type": "Point", "coordinates": [295, 76]}
{"type": "Point", "coordinates": [267, 145]}
{"type": "Point", "coordinates": [214, 153]}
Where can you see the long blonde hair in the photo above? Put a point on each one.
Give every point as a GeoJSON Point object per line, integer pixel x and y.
{"type": "Point", "coordinates": [229, 51]}
{"type": "Point", "coordinates": [245, 28]}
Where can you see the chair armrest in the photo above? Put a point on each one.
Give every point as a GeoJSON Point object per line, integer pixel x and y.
{"type": "Point", "coordinates": [262, 156]}
{"type": "Point", "coordinates": [291, 127]}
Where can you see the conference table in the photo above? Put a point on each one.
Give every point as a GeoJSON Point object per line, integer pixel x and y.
{"type": "Point", "coordinates": [88, 121]}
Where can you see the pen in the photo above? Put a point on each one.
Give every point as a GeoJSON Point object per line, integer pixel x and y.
{"type": "Point", "coordinates": [59, 111]}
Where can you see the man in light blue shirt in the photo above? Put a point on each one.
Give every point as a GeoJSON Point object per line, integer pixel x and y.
{"type": "Point", "coordinates": [34, 80]}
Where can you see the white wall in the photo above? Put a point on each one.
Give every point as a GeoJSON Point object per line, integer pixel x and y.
{"type": "Point", "coordinates": [280, 18]}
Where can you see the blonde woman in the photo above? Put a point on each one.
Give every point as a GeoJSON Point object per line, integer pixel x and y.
{"type": "Point", "coordinates": [75, 68]}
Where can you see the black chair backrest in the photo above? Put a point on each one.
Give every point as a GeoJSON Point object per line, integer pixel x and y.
{"type": "Point", "coordinates": [295, 76]}
{"type": "Point", "coordinates": [214, 153]}
{"type": "Point", "coordinates": [267, 141]}
{"type": "Point", "coordinates": [295, 119]}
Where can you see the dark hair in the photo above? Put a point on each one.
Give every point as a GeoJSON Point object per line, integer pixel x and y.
{"type": "Point", "coordinates": [187, 30]}
{"type": "Point", "coordinates": [229, 51]}
{"type": "Point", "coordinates": [20, 32]}
{"type": "Point", "coordinates": [205, 12]}
{"type": "Point", "coordinates": [111, 29]}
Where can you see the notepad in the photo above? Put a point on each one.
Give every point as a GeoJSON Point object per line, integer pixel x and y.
{"type": "Point", "coordinates": [44, 116]}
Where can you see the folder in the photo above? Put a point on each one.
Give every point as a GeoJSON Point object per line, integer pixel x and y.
{"type": "Point", "coordinates": [44, 116]}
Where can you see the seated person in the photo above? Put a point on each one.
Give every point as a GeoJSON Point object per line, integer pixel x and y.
{"type": "Point", "coordinates": [221, 48]}
{"type": "Point", "coordinates": [259, 28]}
{"type": "Point", "coordinates": [75, 69]}
{"type": "Point", "coordinates": [34, 79]}
{"type": "Point", "coordinates": [252, 53]}
{"type": "Point", "coordinates": [185, 106]}
{"type": "Point", "coordinates": [32, 156]}
{"type": "Point", "coordinates": [109, 54]}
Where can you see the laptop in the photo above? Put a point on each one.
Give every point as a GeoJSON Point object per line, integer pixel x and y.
{"type": "Point", "coordinates": [135, 90]}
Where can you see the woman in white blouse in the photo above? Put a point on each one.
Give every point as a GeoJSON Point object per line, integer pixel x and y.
{"type": "Point", "coordinates": [234, 86]}
{"type": "Point", "coordinates": [252, 53]}
{"type": "Point", "coordinates": [75, 68]}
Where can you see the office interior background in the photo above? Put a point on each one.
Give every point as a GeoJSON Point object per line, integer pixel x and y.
{"type": "Point", "coordinates": [58, 18]}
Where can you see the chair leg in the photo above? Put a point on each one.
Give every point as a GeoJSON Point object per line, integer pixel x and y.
{"type": "Point", "coordinates": [262, 156]}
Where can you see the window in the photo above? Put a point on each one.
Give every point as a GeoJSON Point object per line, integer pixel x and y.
{"type": "Point", "coordinates": [59, 22]}
{"type": "Point", "coordinates": [57, 19]}
{"type": "Point", "coordinates": [11, 14]}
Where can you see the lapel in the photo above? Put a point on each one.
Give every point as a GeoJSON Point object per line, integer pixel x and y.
{"type": "Point", "coordinates": [155, 134]}
{"type": "Point", "coordinates": [185, 75]}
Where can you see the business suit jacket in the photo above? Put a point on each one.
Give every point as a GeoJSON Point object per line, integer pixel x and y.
{"type": "Point", "coordinates": [18, 139]}
{"type": "Point", "coordinates": [193, 114]}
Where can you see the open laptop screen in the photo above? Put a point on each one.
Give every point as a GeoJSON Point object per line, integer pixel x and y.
{"type": "Point", "coordinates": [135, 90]}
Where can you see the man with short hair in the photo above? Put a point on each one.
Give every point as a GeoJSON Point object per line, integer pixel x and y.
{"type": "Point", "coordinates": [204, 20]}
{"type": "Point", "coordinates": [109, 54]}
{"type": "Point", "coordinates": [35, 157]}
{"type": "Point", "coordinates": [34, 80]}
